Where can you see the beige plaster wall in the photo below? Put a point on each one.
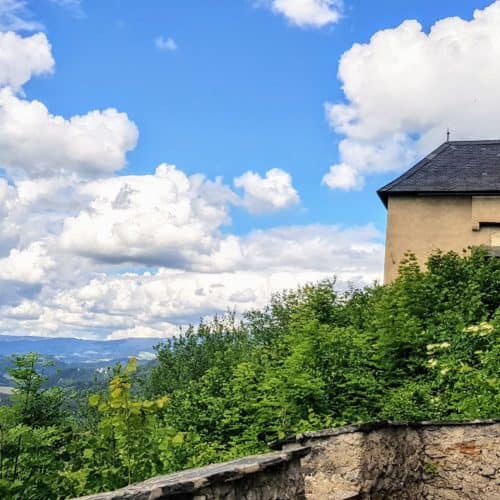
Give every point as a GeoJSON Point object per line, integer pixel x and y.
{"type": "Point", "coordinates": [424, 224]}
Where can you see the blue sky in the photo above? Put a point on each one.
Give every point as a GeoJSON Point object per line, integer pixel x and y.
{"type": "Point", "coordinates": [242, 87]}
{"type": "Point", "coordinates": [245, 90]}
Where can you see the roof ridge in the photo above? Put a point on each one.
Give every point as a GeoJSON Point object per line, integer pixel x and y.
{"type": "Point", "coordinates": [477, 141]}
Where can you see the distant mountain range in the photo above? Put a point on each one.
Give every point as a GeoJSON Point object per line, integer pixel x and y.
{"type": "Point", "coordinates": [70, 350]}
{"type": "Point", "coordinates": [77, 362]}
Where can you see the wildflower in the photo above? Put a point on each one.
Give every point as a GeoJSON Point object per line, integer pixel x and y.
{"type": "Point", "coordinates": [472, 328]}
{"type": "Point", "coordinates": [433, 347]}
{"type": "Point", "coordinates": [486, 326]}
{"type": "Point", "coordinates": [483, 328]}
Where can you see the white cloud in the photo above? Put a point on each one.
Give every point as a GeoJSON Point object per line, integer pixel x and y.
{"type": "Point", "coordinates": [6, 196]}
{"type": "Point", "coordinates": [169, 219]}
{"type": "Point", "coordinates": [343, 177]}
{"type": "Point", "coordinates": [136, 255]}
{"type": "Point", "coordinates": [167, 44]}
{"type": "Point", "coordinates": [26, 266]}
{"type": "Point", "coordinates": [147, 332]}
{"type": "Point", "coordinates": [33, 210]}
{"type": "Point", "coordinates": [405, 87]}
{"type": "Point", "coordinates": [9, 228]}
{"type": "Point", "coordinates": [15, 16]}
{"type": "Point", "coordinates": [312, 13]}
{"type": "Point", "coordinates": [26, 310]}
{"type": "Point", "coordinates": [21, 58]}
{"type": "Point", "coordinates": [90, 145]}
{"type": "Point", "coordinates": [349, 253]}
{"type": "Point", "coordinates": [267, 194]}
{"type": "Point", "coordinates": [166, 219]}
{"type": "Point", "coordinates": [93, 144]}
{"type": "Point", "coordinates": [155, 304]}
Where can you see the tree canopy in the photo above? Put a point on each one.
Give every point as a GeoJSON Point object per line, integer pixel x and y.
{"type": "Point", "coordinates": [424, 347]}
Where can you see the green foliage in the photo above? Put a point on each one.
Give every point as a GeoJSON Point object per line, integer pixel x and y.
{"type": "Point", "coordinates": [424, 347]}
{"type": "Point", "coordinates": [124, 444]}
{"type": "Point", "coordinates": [32, 434]}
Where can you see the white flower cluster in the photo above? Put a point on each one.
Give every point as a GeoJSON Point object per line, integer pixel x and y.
{"type": "Point", "coordinates": [482, 329]}
{"type": "Point", "coordinates": [431, 350]}
{"type": "Point", "coordinates": [436, 347]}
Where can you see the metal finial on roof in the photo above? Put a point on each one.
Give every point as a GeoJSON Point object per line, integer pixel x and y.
{"type": "Point", "coordinates": [447, 135]}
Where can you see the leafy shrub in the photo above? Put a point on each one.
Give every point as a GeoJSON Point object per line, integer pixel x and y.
{"type": "Point", "coordinates": [424, 347]}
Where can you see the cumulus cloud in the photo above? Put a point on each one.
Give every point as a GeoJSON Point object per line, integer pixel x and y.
{"type": "Point", "coordinates": [26, 310]}
{"type": "Point", "coordinates": [270, 193]}
{"type": "Point", "coordinates": [343, 177]}
{"type": "Point", "coordinates": [130, 304]}
{"type": "Point", "coordinates": [26, 266]}
{"type": "Point", "coordinates": [353, 253]}
{"type": "Point", "coordinates": [150, 227]}
{"type": "Point", "coordinates": [306, 13]}
{"type": "Point", "coordinates": [136, 255]}
{"type": "Point", "coordinates": [15, 16]}
{"type": "Point", "coordinates": [173, 220]}
{"type": "Point", "coordinates": [21, 58]}
{"type": "Point", "coordinates": [78, 300]}
{"type": "Point", "coordinates": [405, 87]}
{"type": "Point", "coordinates": [165, 219]}
{"type": "Point", "coordinates": [9, 227]}
{"type": "Point", "coordinates": [92, 144]}
{"type": "Point", "coordinates": [35, 209]}
{"type": "Point", "coordinates": [167, 44]}
{"type": "Point", "coordinates": [157, 304]}
{"type": "Point", "coordinates": [7, 194]}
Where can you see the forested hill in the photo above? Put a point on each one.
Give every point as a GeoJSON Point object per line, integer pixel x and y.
{"type": "Point", "coordinates": [74, 361]}
{"type": "Point", "coordinates": [425, 347]}
{"type": "Point", "coordinates": [77, 350]}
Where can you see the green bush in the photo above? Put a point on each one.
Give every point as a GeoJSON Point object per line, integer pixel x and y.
{"type": "Point", "coordinates": [424, 347]}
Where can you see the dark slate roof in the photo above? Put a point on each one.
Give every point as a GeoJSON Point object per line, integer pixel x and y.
{"type": "Point", "coordinates": [455, 167]}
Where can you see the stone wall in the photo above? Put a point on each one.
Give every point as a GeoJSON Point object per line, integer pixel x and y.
{"type": "Point", "coordinates": [387, 460]}
{"type": "Point", "coordinates": [462, 462]}
{"type": "Point", "coordinates": [271, 476]}
{"type": "Point", "coordinates": [452, 461]}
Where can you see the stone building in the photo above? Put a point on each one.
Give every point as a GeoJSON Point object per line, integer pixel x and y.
{"type": "Point", "coordinates": [450, 200]}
